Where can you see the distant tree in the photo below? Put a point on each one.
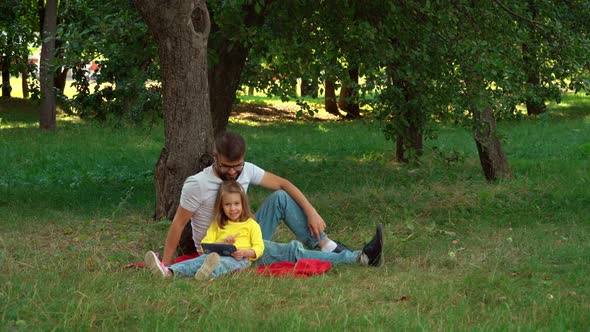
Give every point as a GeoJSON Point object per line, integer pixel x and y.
{"type": "Point", "coordinates": [47, 108]}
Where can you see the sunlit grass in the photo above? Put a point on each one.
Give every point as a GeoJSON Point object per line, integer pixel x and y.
{"type": "Point", "coordinates": [17, 91]}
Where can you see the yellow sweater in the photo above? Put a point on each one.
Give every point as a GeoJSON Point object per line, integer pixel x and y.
{"type": "Point", "coordinates": [250, 235]}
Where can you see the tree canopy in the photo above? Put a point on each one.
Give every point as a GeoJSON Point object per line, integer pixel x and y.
{"type": "Point", "coordinates": [407, 64]}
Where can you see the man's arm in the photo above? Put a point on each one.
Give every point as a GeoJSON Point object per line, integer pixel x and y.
{"type": "Point", "coordinates": [314, 220]}
{"type": "Point", "coordinates": [181, 218]}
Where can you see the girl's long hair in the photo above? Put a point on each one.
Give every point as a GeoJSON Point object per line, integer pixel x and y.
{"type": "Point", "coordinates": [231, 187]}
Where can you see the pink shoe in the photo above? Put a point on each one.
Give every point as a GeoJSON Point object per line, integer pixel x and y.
{"type": "Point", "coordinates": [154, 264]}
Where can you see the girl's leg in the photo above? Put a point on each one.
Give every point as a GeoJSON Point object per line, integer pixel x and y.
{"type": "Point", "coordinates": [280, 206]}
{"type": "Point", "coordinates": [229, 264]}
{"type": "Point", "coordinates": [189, 267]}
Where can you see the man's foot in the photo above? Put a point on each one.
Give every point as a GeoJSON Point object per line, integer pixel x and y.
{"type": "Point", "coordinates": [340, 247]}
{"type": "Point", "coordinates": [209, 265]}
{"type": "Point", "coordinates": [372, 251]}
{"type": "Point", "coordinates": [154, 264]}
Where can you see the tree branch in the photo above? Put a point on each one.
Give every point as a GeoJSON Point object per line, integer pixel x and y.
{"type": "Point", "coordinates": [509, 11]}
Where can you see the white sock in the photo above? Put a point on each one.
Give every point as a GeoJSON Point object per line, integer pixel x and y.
{"type": "Point", "coordinates": [330, 246]}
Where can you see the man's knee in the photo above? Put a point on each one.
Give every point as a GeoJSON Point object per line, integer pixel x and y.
{"type": "Point", "coordinates": [280, 195]}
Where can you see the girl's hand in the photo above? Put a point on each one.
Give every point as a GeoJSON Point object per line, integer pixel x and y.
{"type": "Point", "coordinates": [238, 254]}
{"type": "Point", "coordinates": [243, 253]}
{"type": "Point", "coordinates": [231, 239]}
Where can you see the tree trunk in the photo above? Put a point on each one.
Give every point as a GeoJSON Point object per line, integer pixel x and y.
{"type": "Point", "coordinates": [330, 98]}
{"type": "Point", "coordinates": [6, 87]}
{"type": "Point", "coordinates": [224, 76]}
{"type": "Point", "coordinates": [47, 108]}
{"type": "Point", "coordinates": [492, 157]}
{"type": "Point", "coordinates": [348, 95]}
{"type": "Point", "coordinates": [409, 146]}
{"type": "Point", "coordinates": [181, 29]}
{"type": "Point", "coordinates": [25, 83]}
{"type": "Point", "coordinates": [409, 143]}
{"type": "Point", "coordinates": [60, 78]}
{"type": "Point", "coordinates": [535, 104]}
{"type": "Point", "coordinates": [309, 88]}
{"type": "Point", "coordinates": [5, 67]}
{"type": "Point", "coordinates": [224, 80]}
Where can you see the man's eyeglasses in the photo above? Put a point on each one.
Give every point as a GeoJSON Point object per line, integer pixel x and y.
{"type": "Point", "coordinates": [226, 168]}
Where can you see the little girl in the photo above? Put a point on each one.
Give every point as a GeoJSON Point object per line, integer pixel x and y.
{"type": "Point", "coordinates": [233, 224]}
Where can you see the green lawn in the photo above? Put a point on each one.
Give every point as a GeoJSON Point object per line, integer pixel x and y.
{"type": "Point", "coordinates": [461, 254]}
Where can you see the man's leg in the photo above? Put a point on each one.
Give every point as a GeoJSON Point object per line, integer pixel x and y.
{"type": "Point", "coordinates": [294, 251]}
{"type": "Point", "coordinates": [371, 255]}
{"type": "Point", "coordinates": [280, 206]}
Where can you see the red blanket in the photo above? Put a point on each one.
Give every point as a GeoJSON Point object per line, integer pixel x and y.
{"type": "Point", "coordinates": [304, 268]}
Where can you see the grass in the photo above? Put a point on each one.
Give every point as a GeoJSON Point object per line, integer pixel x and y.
{"type": "Point", "coordinates": [461, 254]}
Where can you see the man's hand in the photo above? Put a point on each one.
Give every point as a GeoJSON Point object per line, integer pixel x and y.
{"type": "Point", "coordinates": [316, 225]}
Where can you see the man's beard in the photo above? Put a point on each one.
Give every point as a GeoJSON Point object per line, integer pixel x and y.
{"type": "Point", "coordinates": [226, 176]}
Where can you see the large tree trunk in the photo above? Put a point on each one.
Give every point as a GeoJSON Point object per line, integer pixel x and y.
{"type": "Point", "coordinates": [181, 29]}
{"type": "Point", "coordinates": [47, 118]}
{"type": "Point", "coordinates": [330, 98]}
{"type": "Point", "coordinates": [348, 95]}
{"type": "Point", "coordinates": [492, 157]}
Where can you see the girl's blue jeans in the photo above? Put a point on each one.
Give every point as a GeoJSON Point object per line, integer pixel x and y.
{"type": "Point", "coordinates": [189, 267]}
{"type": "Point", "coordinates": [274, 252]}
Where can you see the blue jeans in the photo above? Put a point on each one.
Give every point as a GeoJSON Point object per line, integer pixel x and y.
{"type": "Point", "coordinates": [189, 267]}
{"type": "Point", "coordinates": [294, 251]}
{"type": "Point", "coordinates": [280, 206]}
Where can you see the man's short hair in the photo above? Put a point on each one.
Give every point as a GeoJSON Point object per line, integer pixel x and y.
{"type": "Point", "coordinates": [230, 145]}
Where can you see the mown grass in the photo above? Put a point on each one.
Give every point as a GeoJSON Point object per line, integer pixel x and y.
{"type": "Point", "coordinates": [461, 254]}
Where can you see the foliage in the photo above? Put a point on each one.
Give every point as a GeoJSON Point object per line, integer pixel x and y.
{"type": "Point", "coordinates": [17, 31]}
{"type": "Point", "coordinates": [112, 34]}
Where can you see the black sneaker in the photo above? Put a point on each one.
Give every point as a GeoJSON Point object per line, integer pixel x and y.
{"type": "Point", "coordinates": [340, 248]}
{"type": "Point", "coordinates": [372, 251]}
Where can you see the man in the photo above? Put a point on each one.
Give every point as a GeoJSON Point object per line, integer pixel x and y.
{"type": "Point", "coordinates": [287, 204]}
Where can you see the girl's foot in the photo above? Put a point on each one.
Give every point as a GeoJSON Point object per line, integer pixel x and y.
{"type": "Point", "coordinates": [209, 265]}
{"type": "Point", "coordinates": [154, 264]}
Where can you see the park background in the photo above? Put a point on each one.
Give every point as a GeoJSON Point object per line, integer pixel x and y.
{"type": "Point", "coordinates": [465, 249]}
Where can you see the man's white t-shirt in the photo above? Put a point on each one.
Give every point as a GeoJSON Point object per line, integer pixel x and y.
{"type": "Point", "coordinates": [200, 191]}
